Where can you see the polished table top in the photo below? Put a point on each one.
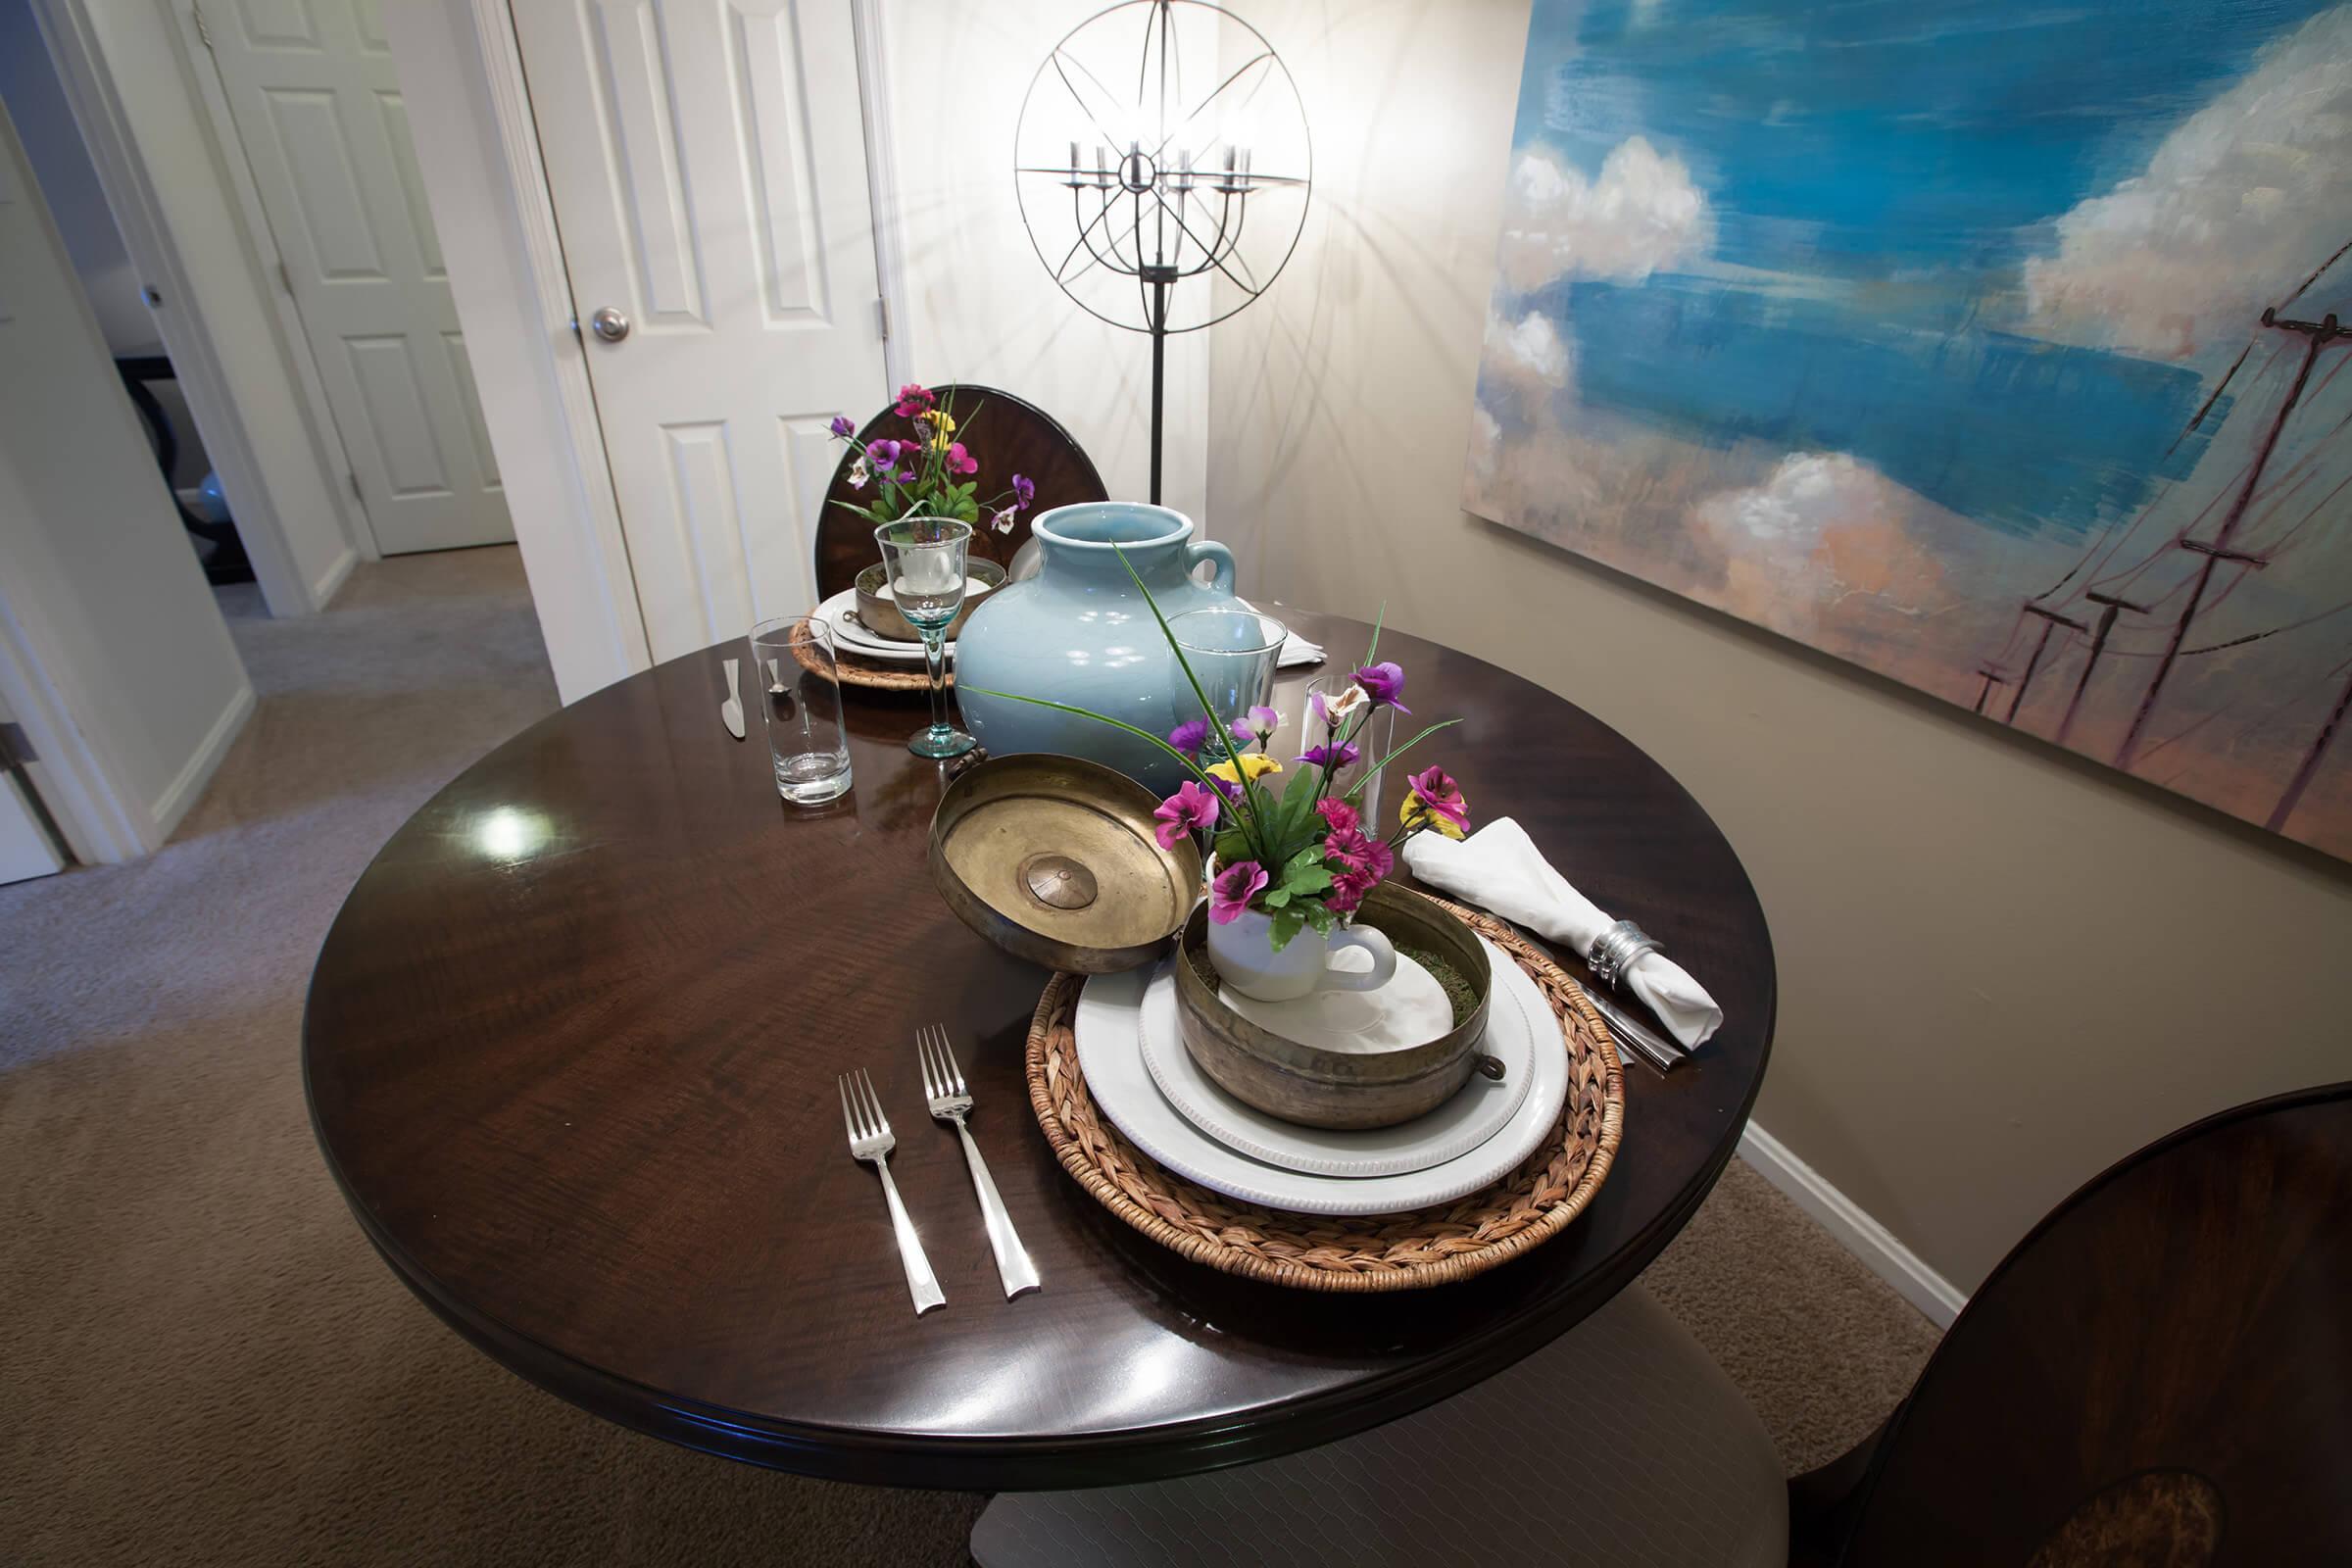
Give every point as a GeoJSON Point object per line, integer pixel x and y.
{"type": "Point", "coordinates": [571, 1052]}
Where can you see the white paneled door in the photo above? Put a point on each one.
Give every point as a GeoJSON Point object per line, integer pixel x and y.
{"type": "Point", "coordinates": [310, 85]}
{"type": "Point", "coordinates": [707, 159]}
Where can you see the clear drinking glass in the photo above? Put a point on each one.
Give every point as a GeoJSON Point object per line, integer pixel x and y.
{"type": "Point", "coordinates": [925, 560]}
{"type": "Point", "coordinates": [1232, 654]}
{"type": "Point", "coordinates": [794, 669]}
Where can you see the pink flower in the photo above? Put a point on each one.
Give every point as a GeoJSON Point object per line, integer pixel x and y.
{"type": "Point", "coordinates": [1350, 852]}
{"type": "Point", "coordinates": [913, 398]}
{"type": "Point", "coordinates": [960, 461]}
{"type": "Point", "coordinates": [1348, 891]}
{"type": "Point", "coordinates": [1337, 814]}
{"type": "Point", "coordinates": [1230, 894]}
{"type": "Point", "coordinates": [1183, 812]}
{"type": "Point", "coordinates": [1262, 722]}
{"type": "Point", "coordinates": [1442, 798]}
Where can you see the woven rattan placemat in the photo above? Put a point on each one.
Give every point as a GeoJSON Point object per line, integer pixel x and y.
{"type": "Point", "coordinates": [874, 673]}
{"type": "Point", "coordinates": [1312, 1252]}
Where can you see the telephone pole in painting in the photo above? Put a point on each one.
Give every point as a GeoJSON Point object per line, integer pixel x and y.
{"type": "Point", "coordinates": [2098, 645]}
{"type": "Point", "coordinates": [2310, 762]}
{"type": "Point", "coordinates": [1992, 677]}
{"type": "Point", "coordinates": [2051, 621]}
{"type": "Point", "coordinates": [2318, 335]}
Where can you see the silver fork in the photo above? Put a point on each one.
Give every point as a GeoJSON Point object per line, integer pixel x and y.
{"type": "Point", "coordinates": [871, 1139]}
{"type": "Point", "coordinates": [951, 1101]}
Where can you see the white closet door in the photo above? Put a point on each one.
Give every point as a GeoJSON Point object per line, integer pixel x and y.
{"type": "Point", "coordinates": [706, 160]}
{"type": "Point", "coordinates": [310, 85]}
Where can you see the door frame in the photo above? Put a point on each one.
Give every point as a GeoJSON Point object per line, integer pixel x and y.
{"type": "Point", "coordinates": [92, 94]}
{"type": "Point", "coordinates": [532, 367]}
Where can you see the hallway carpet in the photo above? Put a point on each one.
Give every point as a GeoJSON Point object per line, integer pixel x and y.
{"type": "Point", "coordinates": [201, 1359]}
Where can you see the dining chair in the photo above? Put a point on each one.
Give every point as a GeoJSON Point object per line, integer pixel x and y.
{"type": "Point", "coordinates": [1009, 435]}
{"type": "Point", "coordinates": [2159, 1374]}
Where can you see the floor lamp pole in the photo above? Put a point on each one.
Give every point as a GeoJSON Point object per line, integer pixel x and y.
{"type": "Point", "coordinates": [1161, 279]}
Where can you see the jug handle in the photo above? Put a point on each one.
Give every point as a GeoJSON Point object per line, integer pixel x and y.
{"type": "Point", "coordinates": [1210, 550]}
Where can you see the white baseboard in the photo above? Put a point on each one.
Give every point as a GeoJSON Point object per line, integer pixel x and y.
{"type": "Point", "coordinates": [1859, 1233]}
{"type": "Point", "coordinates": [322, 592]}
{"type": "Point", "coordinates": [183, 791]}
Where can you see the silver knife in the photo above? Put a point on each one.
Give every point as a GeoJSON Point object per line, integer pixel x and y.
{"type": "Point", "coordinates": [732, 708]}
{"type": "Point", "coordinates": [1660, 1053]}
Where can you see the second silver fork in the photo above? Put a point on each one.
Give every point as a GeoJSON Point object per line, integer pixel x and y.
{"type": "Point", "coordinates": [951, 1101]}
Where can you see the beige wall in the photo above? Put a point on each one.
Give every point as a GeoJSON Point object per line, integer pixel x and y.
{"type": "Point", "coordinates": [2000, 968]}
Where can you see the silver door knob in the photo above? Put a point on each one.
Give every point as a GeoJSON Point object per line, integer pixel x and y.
{"type": "Point", "coordinates": [609, 325]}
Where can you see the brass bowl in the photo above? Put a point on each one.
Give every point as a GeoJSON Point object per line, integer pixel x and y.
{"type": "Point", "coordinates": [1338, 1089]}
{"type": "Point", "coordinates": [1053, 859]}
{"type": "Point", "coordinates": [880, 616]}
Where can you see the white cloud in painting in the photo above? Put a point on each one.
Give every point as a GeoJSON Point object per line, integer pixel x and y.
{"type": "Point", "coordinates": [1485, 442]}
{"type": "Point", "coordinates": [2236, 206]}
{"type": "Point", "coordinates": [1821, 530]}
{"type": "Point", "coordinates": [1528, 357]}
{"type": "Point", "coordinates": [1641, 215]}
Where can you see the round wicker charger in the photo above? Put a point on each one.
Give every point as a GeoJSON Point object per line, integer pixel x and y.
{"type": "Point", "coordinates": [1312, 1252]}
{"type": "Point", "coordinates": [874, 673]}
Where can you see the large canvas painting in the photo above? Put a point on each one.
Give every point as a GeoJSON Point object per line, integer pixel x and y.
{"type": "Point", "coordinates": [1990, 346]}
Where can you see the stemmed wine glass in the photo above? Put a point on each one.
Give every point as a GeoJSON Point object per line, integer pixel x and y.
{"type": "Point", "coordinates": [925, 561]}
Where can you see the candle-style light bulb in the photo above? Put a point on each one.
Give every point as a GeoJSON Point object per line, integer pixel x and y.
{"type": "Point", "coordinates": [1102, 166]}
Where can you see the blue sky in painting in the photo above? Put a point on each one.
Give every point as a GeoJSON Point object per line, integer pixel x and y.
{"type": "Point", "coordinates": [1891, 162]}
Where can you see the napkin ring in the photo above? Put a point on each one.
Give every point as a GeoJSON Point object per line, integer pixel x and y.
{"type": "Point", "coordinates": [1617, 949]}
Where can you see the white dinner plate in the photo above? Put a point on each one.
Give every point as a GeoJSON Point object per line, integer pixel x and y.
{"type": "Point", "coordinates": [1482, 1108]}
{"type": "Point", "coordinates": [840, 613]}
{"type": "Point", "coordinates": [1109, 1024]}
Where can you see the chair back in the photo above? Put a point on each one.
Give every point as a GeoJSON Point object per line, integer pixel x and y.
{"type": "Point", "coordinates": [2160, 1374]}
{"type": "Point", "coordinates": [1009, 435]}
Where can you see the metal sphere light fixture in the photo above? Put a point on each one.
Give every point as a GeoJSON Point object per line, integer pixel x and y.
{"type": "Point", "coordinates": [1163, 168]}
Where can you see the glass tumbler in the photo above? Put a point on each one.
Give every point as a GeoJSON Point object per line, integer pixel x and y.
{"type": "Point", "coordinates": [795, 670]}
{"type": "Point", "coordinates": [924, 560]}
{"type": "Point", "coordinates": [1232, 654]}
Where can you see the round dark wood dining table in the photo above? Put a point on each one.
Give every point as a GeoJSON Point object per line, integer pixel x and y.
{"type": "Point", "coordinates": [571, 1051]}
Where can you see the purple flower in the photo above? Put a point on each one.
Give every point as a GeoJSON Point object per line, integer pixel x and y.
{"type": "Point", "coordinates": [1332, 757]}
{"type": "Point", "coordinates": [884, 455]}
{"type": "Point", "coordinates": [842, 427]}
{"type": "Point", "coordinates": [1024, 491]}
{"type": "Point", "coordinates": [1230, 894]}
{"type": "Point", "coordinates": [1382, 682]}
{"type": "Point", "coordinates": [1337, 813]}
{"type": "Point", "coordinates": [1226, 787]}
{"type": "Point", "coordinates": [1190, 736]}
{"type": "Point", "coordinates": [1262, 722]}
{"type": "Point", "coordinates": [960, 461]}
{"type": "Point", "coordinates": [1002, 522]}
{"type": "Point", "coordinates": [913, 398]}
{"type": "Point", "coordinates": [1182, 814]}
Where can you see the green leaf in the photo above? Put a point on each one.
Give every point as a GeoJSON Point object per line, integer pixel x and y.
{"type": "Point", "coordinates": [1099, 718]}
{"type": "Point", "coordinates": [1285, 926]}
{"type": "Point", "coordinates": [1276, 899]}
{"type": "Point", "coordinates": [1232, 845]}
{"type": "Point", "coordinates": [1321, 918]}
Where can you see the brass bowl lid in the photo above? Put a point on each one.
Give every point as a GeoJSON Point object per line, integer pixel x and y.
{"type": "Point", "coordinates": [1053, 859]}
{"type": "Point", "coordinates": [880, 616]}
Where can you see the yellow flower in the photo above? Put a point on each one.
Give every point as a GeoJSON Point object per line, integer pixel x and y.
{"type": "Point", "coordinates": [941, 423]}
{"type": "Point", "coordinates": [1412, 813]}
{"type": "Point", "coordinates": [1253, 763]}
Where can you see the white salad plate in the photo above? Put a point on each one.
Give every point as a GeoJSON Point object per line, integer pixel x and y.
{"type": "Point", "coordinates": [1115, 1010]}
{"type": "Point", "coordinates": [840, 614]}
{"type": "Point", "coordinates": [1482, 1108]}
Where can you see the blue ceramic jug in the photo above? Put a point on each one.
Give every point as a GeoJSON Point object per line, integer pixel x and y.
{"type": "Point", "coordinates": [1079, 632]}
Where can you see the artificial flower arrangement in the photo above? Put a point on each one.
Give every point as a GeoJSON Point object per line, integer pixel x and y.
{"type": "Point", "coordinates": [926, 476]}
{"type": "Point", "coordinates": [1302, 855]}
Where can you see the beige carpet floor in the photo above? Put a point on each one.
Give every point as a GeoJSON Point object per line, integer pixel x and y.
{"type": "Point", "coordinates": [201, 1360]}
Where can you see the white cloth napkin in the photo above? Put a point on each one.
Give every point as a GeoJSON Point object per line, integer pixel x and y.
{"type": "Point", "coordinates": [1295, 649]}
{"type": "Point", "coordinates": [1501, 867]}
